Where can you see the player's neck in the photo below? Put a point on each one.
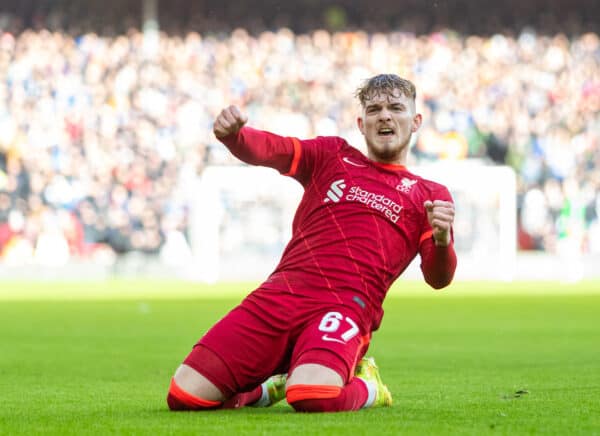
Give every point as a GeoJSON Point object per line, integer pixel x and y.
{"type": "Point", "coordinates": [398, 160]}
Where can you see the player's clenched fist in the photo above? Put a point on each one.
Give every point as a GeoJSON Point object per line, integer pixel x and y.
{"type": "Point", "coordinates": [441, 216]}
{"type": "Point", "coordinates": [229, 121]}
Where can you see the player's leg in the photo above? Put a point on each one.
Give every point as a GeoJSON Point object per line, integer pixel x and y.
{"type": "Point", "coordinates": [317, 394]}
{"type": "Point", "coordinates": [318, 388]}
{"type": "Point", "coordinates": [190, 390]}
{"type": "Point", "coordinates": [322, 369]}
{"type": "Point", "coordinates": [228, 366]}
{"type": "Point", "coordinates": [200, 393]}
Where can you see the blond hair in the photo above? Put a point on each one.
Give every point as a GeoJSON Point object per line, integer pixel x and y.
{"type": "Point", "coordinates": [385, 84]}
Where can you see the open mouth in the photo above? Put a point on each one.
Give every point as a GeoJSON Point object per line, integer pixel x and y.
{"type": "Point", "coordinates": [385, 131]}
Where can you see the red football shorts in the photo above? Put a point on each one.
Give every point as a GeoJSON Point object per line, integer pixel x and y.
{"type": "Point", "coordinates": [248, 345]}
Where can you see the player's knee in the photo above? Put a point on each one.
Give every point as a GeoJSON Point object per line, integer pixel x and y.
{"type": "Point", "coordinates": [194, 382]}
{"type": "Point", "coordinates": [311, 398]}
{"type": "Point", "coordinates": [310, 406]}
{"type": "Point", "coordinates": [179, 399]}
{"type": "Point", "coordinates": [175, 403]}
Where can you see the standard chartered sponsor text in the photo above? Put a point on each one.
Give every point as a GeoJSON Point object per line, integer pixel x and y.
{"type": "Point", "coordinates": [379, 202]}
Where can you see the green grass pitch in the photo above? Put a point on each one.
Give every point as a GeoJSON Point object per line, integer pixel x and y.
{"type": "Point", "coordinates": [96, 358]}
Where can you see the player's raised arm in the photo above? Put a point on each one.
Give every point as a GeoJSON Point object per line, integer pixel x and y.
{"type": "Point", "coordinates": [255, 147]}
{"type": "Point", "coordinates": [438, 259]}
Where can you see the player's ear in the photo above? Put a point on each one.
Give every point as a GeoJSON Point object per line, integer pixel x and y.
{"type": "Point", "coordinates": [417, 120]}
{"type": "Point", "coordinates": [361, 125]}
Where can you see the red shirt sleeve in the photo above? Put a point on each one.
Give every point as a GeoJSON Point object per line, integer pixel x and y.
{"type": "Point", "coordinates": [258, 147]}
{"type": "Point", "coordinates": [437, 263]}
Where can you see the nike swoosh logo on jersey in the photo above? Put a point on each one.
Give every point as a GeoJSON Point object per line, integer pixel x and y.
{"type": "Point", "coordinates": [348, 161]}
{"type": "Point", "coordinates": [328, 339]}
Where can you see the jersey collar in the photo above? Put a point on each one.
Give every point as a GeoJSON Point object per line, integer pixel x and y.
{"type": "Point", "coordinates": [391, 167]}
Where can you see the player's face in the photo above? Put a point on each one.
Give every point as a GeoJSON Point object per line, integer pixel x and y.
{"type": "Point", "coordinates": [387, 123]}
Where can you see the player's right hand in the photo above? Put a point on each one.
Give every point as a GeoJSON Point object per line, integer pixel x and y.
{"type": "Point", "coordinates": [229, 121]}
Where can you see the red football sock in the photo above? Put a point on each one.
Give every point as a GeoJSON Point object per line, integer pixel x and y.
{"type": "Point", "coordinates": [311, 398]}
{"type": "Point", "coordinates": [243, 399]}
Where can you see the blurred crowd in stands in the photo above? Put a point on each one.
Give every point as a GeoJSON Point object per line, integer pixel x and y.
{"type": "Point", "coordinates": [101, 138]}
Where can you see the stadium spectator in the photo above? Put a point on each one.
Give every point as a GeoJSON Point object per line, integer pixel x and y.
{"type": "Point", "coordinates": [95, 119]}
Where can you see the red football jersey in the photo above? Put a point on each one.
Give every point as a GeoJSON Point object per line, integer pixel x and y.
{"type": "Point", "coordinates": [357, 228]}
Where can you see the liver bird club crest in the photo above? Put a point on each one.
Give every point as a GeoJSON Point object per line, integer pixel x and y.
{"type": "Point", "coordinates": [405, 185]}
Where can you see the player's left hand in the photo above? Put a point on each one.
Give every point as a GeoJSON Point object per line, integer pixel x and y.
{"type": "Point", "coordinates": [440, 215]}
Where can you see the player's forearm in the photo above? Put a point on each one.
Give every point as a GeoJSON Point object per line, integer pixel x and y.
{"type": "Point", "coordinates": [438, 264]}
{"type": "Point", "coordinates": [257, 147]}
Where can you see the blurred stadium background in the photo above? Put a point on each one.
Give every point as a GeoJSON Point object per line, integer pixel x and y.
{"type": "Point", "coordinates": [108, 165]}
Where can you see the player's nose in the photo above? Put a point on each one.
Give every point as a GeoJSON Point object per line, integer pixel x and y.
{"type": "Point", "coordinates": [385, 115]}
